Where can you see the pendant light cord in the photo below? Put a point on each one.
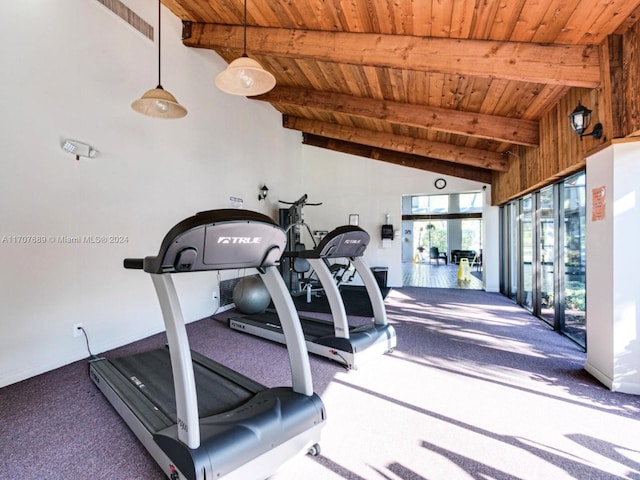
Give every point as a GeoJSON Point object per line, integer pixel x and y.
{"type": "Point", "coordinates": [159, 30]}
{"type": "Point", "coordinates": [244, 45]}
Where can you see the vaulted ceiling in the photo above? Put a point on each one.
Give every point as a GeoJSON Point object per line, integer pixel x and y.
{"type": "Point", "coordinates": [448, 86]}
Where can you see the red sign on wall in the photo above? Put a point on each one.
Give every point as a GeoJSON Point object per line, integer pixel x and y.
{"type": "Point", "coordinates": [598, 201]}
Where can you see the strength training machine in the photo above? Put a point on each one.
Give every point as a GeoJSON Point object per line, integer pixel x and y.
{"type": "Point", "coordinates": [197, 418]}
{"type": "Point", "coordinates": [292, 220]}
{"type": "Point", "coordinates": [335, 340]}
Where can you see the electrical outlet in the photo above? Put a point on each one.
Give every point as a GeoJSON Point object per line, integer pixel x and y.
{"type": "Point", "coordinates": [77, 330]}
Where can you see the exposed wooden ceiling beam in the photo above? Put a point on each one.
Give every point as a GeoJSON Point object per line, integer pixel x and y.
{"type": "Point", "coordinates": [569, 65]}
{"type": "Point", "coordinates": [424, 148]}
{"type": "Point", "coordinates": [502, 129]}
{"type": "Point", "coordinates": [405, 160]}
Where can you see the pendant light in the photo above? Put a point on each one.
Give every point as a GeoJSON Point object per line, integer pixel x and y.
{"type": "Point", "coordinates": [245, 76]}
{"type": "Point", "coordinates": [157, 102]}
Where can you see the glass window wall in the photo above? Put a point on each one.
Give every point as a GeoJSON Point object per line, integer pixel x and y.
{"type": "Point", "coordinates": [544, 255]}
{"type": "Point", "coordinates": [448, 222]}
{"type": "Point", "coordinates": [432, 233]}
{"type": "Point", "coordinates": [526, 248]}
{"type": "Point", "coordinates": [513, 249]}
{"type": "Point", "coordinates": [471, 235]}
{"type": "Point", "coordinates": [430, 204]}
{"type": "Point", "coordinates": [574, 221]}
{"type": "Point", "coordinates": [470, 202]}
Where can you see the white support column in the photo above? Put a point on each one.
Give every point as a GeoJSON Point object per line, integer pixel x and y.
{"type": "Point", "coordinates": [613, 288]}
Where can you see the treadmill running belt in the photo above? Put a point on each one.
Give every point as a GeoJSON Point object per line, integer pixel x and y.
{"type": "Point", "coordinates": [151, 373]}
{"type": "Point", "coordinates": [312, 328]}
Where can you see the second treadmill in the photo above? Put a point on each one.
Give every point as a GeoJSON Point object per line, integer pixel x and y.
{"type": "Point", "coordinates": [337, 340]}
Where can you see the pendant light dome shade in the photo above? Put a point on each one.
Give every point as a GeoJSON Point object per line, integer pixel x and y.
{"type": "Point", "coordinates": [245, 76]}
{"type": "Point", "coordinates": [159, 103]}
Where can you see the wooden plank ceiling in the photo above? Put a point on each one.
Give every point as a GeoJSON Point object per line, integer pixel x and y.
{"type": "Point", "coordinates": [448, 86]}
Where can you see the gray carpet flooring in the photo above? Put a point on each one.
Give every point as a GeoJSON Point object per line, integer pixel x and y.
{"type": "Point", "coordinates": [476, 389]}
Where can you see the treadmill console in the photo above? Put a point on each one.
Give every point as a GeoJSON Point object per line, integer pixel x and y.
{"type": "Point", "coordinates": [348, 241]}
{"type": "Point", "coordinates": [219, 240]}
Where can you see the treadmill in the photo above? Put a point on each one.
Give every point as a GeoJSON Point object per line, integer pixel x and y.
{"type": "Point", "coordinates": [336, 340]}
{"type": "Point", "coordinates": [197, 418]}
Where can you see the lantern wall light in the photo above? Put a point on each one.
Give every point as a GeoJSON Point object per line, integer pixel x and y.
{"type": "Point", "coordinates": [580, 119]}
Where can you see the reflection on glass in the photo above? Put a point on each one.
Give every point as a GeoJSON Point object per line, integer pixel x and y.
{"type": "Point", "coordinates": [430, 204]}
{"type": "Point", "coordinates": [513, 251]}
{"type": "Point", "coordinates": [471, 234]}
{"type": "Point", "coordinates": [526, 231]}
{"type": "Point", "coordinates": [575, 258]}
{"type": "Point", "coordinates": [432, 233]}
{"type": "Point", "coordinates": [470, 202]}
{"type": "Point", "coordinates": [546, 254]}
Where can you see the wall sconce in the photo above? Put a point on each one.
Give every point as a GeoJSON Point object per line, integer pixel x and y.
{"type": "Point", "coordinates": [78, 149]}
{"type": "Point", "coordinates": [580, 119]}
{"type": "Point", "coordinates": [263, 192]}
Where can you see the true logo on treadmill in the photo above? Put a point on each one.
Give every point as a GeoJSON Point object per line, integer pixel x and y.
{"type": "Point", "coordinates": [236, 324]}
{"type": "Point", "coordinates": [240, 240]}
{"type": "Point", "coordinates": [352, 241]}
{"type": "Point", "coordinates": [183, 425]}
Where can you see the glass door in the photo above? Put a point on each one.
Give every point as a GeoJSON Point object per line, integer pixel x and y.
{"type": "Point", "coordinates": [574, 220]}
{"type": "Point", "coordinates": [546, 254]}
{"type": "Point", "coordinates": [430, 233]}
{"type": "Point", "coordinates": [526, 249]}
{"type": "Point", "coordinates": [514, 241]}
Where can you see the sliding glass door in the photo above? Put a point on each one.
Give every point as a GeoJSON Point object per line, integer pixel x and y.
{"type": "Point", "coordinates": [544, 255]}
{"type": "Point", "coordinates": [575, 263]}
{"type": "Point", "coordinates": [526, 250]}
{"type": "Point", "coordinates": [513, 252]}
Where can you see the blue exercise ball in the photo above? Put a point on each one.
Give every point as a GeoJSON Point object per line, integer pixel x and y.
{"type": "Point", "coordinates": [251, 296]}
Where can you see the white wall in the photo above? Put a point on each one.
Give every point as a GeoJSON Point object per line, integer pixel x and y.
{"type": "Point", "coordinates": [613, 313]}
{"type": "Point", "coordinates": [599, 271]}
{"type": "Point", "coordinates": [71, 69]}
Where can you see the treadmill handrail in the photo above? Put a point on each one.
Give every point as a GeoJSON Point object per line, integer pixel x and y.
{"type": "Point", "coordinates": [371, 285]}
{"type": "Point", "coordinates": [292, 329]}
{"type": "Point", "coordinates": [181, 364]}
{"type": "Point", "coordinates": [336, 305]}
{"type": "Point", "coordinates": [134, 263]}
